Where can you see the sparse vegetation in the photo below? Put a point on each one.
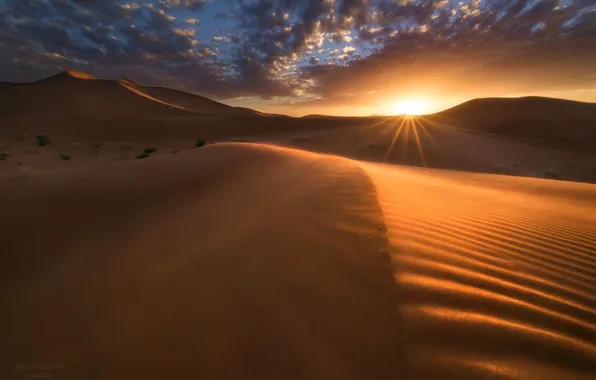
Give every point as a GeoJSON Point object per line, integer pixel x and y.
{"type": "Point", "coordinates": [64, 157]}
{"type": "Point", "coordinates": [199, 143]}
{"type": "Point", "coordinates": [96, 146]}
{"type": "Point", "coordinates": [175, 151]}
{"type": "Point", "coordinates": [146, 153]}
{"type": "Point", "coordinates": [42, 140]}
{"type": "Point", "coordinates": [4, 156]}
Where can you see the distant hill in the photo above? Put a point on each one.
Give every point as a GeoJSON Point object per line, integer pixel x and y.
{"type": "Point", "coordinates": [533, 117]}
{"type": "Point", "coordinates": [186, 101]}
{"type": "Point", "coordinates": [74, 93]}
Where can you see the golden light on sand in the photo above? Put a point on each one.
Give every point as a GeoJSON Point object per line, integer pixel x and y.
{"type": "Point", "coordinates": [405, 129]}
{"type": "Point", "coordinates": [409, 107]}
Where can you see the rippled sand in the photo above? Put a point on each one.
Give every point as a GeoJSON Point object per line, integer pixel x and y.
{"type": "Point", "coordinates": [257, 262]}
{"type": "Point", "coordinates": [496, 275]}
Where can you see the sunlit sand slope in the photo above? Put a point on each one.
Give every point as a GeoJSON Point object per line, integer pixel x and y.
{"type": "Point", "coordinates": [230, 262]}
{"type": "Point", "coordinates": [247, 261]}
{"type": "Point", "coordinates": [496, 275]}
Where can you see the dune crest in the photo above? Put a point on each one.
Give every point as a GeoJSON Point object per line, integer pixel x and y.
{"type": "Point", "coordinates": [237, 261]}
{"type": "Point", "coordinates": [79, 74]}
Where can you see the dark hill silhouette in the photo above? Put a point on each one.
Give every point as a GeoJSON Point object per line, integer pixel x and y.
{"type": "Point", "coordinates": [75, 94]}
{"type": "Point", "coordinates": [533, 117]}
{"type": "Point", "coordinates": [187, 101]}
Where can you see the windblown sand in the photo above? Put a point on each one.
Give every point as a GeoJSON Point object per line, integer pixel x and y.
{"type": "Point", "coordinates": [263, 261]}
{"type": "Point", "coordinates": [253, 261]}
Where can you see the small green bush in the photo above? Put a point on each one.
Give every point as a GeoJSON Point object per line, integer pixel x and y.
{"type": "Point", "coordinates": [4, 156]}
{"type": "Point", "coordinates": [64, 157]}
{"type": "Point", "coordinates": [42, 140]}
{"type": "Point", "coordinates": [149, 150]}
{"type": "Point", "coordinates": [200, 143]}
{"type": "Point", "coordinates": [142, 155]}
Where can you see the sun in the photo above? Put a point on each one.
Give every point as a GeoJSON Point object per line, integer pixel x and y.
{"type": "Point", "coordinates": [409, 107]}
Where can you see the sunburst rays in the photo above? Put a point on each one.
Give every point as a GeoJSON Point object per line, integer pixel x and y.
{"type": "Point", "coordinates": [406, 128]}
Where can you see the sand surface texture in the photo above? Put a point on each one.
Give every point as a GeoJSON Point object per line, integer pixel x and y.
{"type": "Point", "coordinates": [312, 248]}
{"type": "Point", "coordinates": [251, 261]}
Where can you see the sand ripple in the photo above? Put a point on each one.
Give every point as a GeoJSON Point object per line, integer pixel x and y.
{"type": "Point", "coordinates": [497, 275]}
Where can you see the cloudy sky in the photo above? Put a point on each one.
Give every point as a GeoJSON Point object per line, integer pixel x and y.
{"type": "Point", "coordinates": [345, 57]}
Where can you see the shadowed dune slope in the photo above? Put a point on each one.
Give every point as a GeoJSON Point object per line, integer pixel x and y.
{"type": "Point", "coordinates": [187, 101]}
{"type": "Point", "coordinates": [235, 261]}
{"type": "Point", "coordinates": [496, 275]}
{"type": "Point", "coordinates": [68, 94]}
{"type": "Point", "coordinates": [536, 117]}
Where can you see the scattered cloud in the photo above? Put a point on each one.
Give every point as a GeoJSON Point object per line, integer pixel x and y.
{"type": "Point", "coordinates": [192, 21]}
{"type": "Point", "coordinates": [306, 49]}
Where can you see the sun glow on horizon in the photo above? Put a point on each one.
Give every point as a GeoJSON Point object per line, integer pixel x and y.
{"type": "Point", "coordinates": [409, 107]}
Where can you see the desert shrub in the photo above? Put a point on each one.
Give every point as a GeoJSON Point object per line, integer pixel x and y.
{"type": "Point", "coordinates": [199, 143]}
{"type": "Point", "coordinates": [42, 140]}
{"type": "Point", "coordinates": [64, 157]}
{"type": "Point", "coordinates": [3, 156]}
{"type": "Point", "coordinates": [146, 153]}
{"type": "Point", "coordinates": [174, 151]}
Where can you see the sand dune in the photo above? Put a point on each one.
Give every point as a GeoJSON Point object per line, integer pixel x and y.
{"type": "Point", "coordinates": [260, 260]}
{"type": "Point", "coordinates": [419, 141]}
{"type": "Point", "coordinates": [75, 95]}
{"type": "Point", "coordinates": [246, 260]}
{"type": "Point", "coordinates": [536, 117]}
{"type": "Point", "coordinates": [496, 275]}
{"type": "Point", "coordinates": [233, 262]}
{"type": "Point", "coordinates": [184, 100]}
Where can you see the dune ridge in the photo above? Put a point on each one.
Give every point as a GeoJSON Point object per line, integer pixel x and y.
{"type": "Point", "coordinates": [298, 265]}
{"type": "Point", "coordinates": [234, 261]}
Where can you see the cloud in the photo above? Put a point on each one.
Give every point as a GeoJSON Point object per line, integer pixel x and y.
{"type": "Point", "coordinates": [193, 5]}
{"type": "Point", "coordinates": [192, 21]}
{"type": "Point", "coordinates": [295, 48]}
{"type": "Point", "coordinates": [222, 39]}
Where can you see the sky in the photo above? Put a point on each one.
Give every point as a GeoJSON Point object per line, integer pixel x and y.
{"type": "Point", "coordinates": [298, 57]}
